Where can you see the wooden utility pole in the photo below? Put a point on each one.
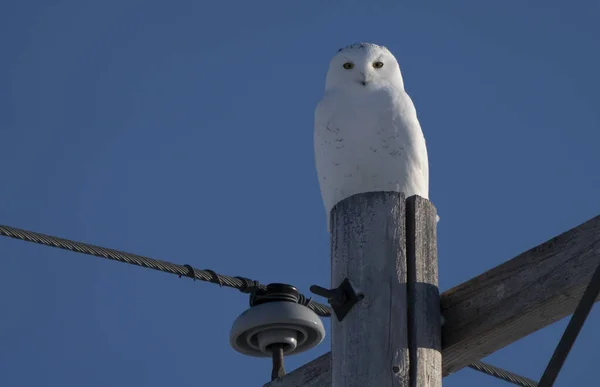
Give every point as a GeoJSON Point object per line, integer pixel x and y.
{"type": "Point", "coordinates": [425, 322]}
{"type": "Point", "coordinates": [386, 247]}
{"type": "Point", "coordinates": [482, 315]}
{"type": "Point", "coordinates": [370, 346]}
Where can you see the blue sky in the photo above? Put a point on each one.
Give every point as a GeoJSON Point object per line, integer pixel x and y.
{"type": "Point", "coordinates": [183, 131]}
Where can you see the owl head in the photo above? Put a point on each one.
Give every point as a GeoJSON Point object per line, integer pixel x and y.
{"type": "Point", "coordinates": [363, 65]}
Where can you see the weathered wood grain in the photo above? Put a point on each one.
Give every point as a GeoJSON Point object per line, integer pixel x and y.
{"type": "Point", "coordinates": [424, 324]}
{"type": "Point", "coordinates": [502, 305]}
{"type": "Point", "coordinates": [317, 373]}
{"type": "Point", "coordinates": [518, 297]}
{"type": "Point", "coordinates": [370, 345]}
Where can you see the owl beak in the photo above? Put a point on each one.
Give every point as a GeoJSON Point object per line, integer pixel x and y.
{"type": "Point", "coordinates": [364, 80]}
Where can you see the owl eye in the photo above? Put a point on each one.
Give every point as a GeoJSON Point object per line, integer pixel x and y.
{"type": "Point", "coordinates": [348, 65]}
{"type": "Point", "coordinates": [378, 65]}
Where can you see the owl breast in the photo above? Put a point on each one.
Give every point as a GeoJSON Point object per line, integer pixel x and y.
{"type": "Point", "coordinates": [368, 142]}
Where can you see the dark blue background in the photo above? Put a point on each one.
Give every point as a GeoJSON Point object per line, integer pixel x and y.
{"type": "Point", "coordinates": [183, 131]}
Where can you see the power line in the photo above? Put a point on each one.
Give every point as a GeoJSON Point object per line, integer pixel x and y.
{"type": "Point", "coordinates": [502, 374]}
{"type": "Point", "coordinates": [243, 284]}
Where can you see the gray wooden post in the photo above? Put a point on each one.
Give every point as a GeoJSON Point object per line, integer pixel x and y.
{"type": "Point", "coordinates": [424, 324]}
{"type": "Point", "coordinates": [370, 346]}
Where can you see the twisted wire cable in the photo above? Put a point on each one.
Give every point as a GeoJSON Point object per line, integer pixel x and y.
{"type": "Point", "coordinates": [243, 284]}
{"type": "Point", "coordinates": [505, 375]}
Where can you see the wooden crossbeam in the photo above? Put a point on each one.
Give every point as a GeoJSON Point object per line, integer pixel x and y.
{"type": "Point", "coordinates": [502, 305]}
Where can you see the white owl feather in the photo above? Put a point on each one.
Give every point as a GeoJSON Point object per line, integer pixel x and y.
{"type": "Point", "coordinates": [367, 136]}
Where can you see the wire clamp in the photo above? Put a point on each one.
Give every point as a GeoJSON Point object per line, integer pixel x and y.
{"type": "Point", "coordinates": [341, 299]}
{"type": "Point", "coordinates": [216, 279]}
{"type": "Point", "coordinates": [190, 273]}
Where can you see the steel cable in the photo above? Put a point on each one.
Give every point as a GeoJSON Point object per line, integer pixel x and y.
{"type": "Point", "coordinates": [499, 373]}
{"type": "Point", "coordinates": [243, 284]}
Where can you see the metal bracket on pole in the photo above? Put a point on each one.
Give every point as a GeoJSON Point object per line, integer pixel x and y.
{"type": "Point", "coordinates": [342, 298]}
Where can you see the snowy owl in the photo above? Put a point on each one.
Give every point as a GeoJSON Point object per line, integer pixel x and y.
{"type": "Point", "coordinates": [367, 136]}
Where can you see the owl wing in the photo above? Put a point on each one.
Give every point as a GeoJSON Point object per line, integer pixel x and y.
{"type": "Point", "coordinates": [418, 154]}
{"type": "Point", "coordinates": [323, 149]}
{"type": "Point", "coordinates": [404, 120]}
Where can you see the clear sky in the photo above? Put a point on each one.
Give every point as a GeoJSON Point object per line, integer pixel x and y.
{"type": "Point", "coordinates": [183, 131]}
